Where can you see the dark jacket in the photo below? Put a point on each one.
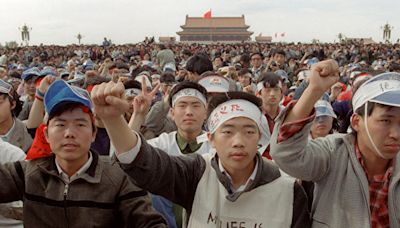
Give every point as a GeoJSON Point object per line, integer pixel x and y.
{"type": "Point", "coordinates": [102, 197]}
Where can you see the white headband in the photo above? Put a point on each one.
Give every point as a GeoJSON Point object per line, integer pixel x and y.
{"type": "Point", "coordinates": [133, 92]}
{"type": "Point", "coordinates": [189, 92]}
{"type": "Point", "coordinates": [239, 108]}
{"type": "Point", "coordinates": [370, 90]}
{"type": "Point", "coordinates": [261, 85]}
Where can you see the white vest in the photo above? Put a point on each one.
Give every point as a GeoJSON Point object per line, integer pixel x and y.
{"type": "Point", "coordinates": [269, 205]}
{"type": "Point", "coordinates": [167, 142]}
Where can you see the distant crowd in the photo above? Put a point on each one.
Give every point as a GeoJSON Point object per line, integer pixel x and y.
{"type": "Point", "coordinates": [200, 135]}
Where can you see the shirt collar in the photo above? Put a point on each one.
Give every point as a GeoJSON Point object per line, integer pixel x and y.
{"type": "Point", "coordinates": [6, 137]}
{"type": "Point", "coordinates": [248, 182]}
{"type": "Point", "coordinates": [360, 159]}
{"type": "Point", "coordinates": [78, 173]}
{"type": "Point", "coordinates": [182, 143]}
{"type": "Point", "coordinates": [257, 69]}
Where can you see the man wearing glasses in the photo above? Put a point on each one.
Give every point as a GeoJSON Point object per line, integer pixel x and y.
{"type": "Point", "coordinates": [256, 63]}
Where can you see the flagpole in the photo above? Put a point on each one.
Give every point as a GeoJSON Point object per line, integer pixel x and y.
{"type": "Point", "coordinates": [211, 32]}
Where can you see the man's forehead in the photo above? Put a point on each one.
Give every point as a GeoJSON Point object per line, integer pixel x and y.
{"type": "Point", "coordinates": [74, 114]}
{"type": "Point", "coordinates": [268, 86]}
{"type": "Point", "coordinates": [387, 110]}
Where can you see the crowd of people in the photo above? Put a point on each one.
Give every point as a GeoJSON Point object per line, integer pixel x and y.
{"type": "Point", "coordinates": [195, 135]}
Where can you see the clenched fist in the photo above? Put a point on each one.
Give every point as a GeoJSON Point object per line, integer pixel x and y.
{"type": "Point", "coordinates": [108, 100]}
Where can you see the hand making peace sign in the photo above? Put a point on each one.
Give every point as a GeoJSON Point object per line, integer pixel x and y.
{"type": "Point", "coordinates": [141, 103]}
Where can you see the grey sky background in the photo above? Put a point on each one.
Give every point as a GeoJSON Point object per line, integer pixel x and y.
{"type": "Point", "coordinates": [129, 21]}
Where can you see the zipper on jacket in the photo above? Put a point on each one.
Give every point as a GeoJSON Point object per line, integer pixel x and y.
{"type": "Point", "coordinates": [66, 188]}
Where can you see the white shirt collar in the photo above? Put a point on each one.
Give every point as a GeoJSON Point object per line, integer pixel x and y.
{"type": "Point", "coordinates": [248, 182]}
{"type": "Point", "coordinates": [82, 170]}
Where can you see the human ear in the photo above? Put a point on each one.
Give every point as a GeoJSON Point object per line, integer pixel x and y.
{"type": "Point", "coordinates": [13, 104]}
{"type": "Point", "coordinates": [355, 121]}
{"type": "Point", "coordinates": [46, 133]}
{"type": "Point", "coordinates": [94, 134]}
{"type": "Point", "coordinates": [211, 139]}
{"type": "Point", "coordinates": [172, 113]}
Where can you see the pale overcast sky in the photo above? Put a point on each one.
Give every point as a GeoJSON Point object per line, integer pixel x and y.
{"type": "Point", "coordinates": [129, 21]}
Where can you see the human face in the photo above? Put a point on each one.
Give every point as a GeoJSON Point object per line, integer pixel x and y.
{"type": "Point", "coordinates": [244, 80]}
{"type": "Point", "coordinates": [146, 57]}
{"type": "Point", "coordinates": [29, 87]}
{"type": "Point", "coordinates": [256, 61]}
{"type": "Point", "coordinates": [70, 136]}
{"type": "Point", "coordinates": [321, 126]}
{"type": "Point", "coordinates": [166, 87]}
{"type": "Point", "coordinates": [189, 114]}
{"type": "Point", "coordinates": [130, 99]}
{"type": "Point", "coordinates": [384, 128]}
{"type": "Point", "coordinates": [235, 142]}
{"type": "Point", "coordinates": [280, 59]}
{"type": "Point", "coordinates": [271, 95]}
{"type": "Point", "coordinates": [5, 108]}
{"type": "Point", "coordinates": [217, 63]}
{"type": "Point", "coordinates": [155, 82]}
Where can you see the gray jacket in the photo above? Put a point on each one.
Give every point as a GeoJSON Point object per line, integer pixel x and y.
{"type": "Point", "coordinates": [19, 136]}
{"type": "Point", "coordinates": [157, 120]}
{"type": "Point", "coordinates": [341, 196]}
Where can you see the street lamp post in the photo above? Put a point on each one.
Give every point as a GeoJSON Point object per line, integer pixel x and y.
{"type": "Point", "coordinates": [25, 34]}
{"type": "Point", "coordinates": [79, 37]}
{"type": "Point", "coordinates": [387, 32]}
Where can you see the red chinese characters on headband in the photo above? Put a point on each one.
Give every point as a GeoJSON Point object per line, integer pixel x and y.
{"type": "Point", "coordinates": [236, 107]}
{"type": "Point", "coordinates": [224, 110]}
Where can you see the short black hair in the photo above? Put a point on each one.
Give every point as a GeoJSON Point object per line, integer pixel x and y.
{"type": "Point", "coordinates": [14, 74]}
{"type": "Point", "coordinates": [186, 52]}
{"type": "Point", "coordinates": [220, 98]}
{"type": "Point", "coordinates": [218, 57]}
{"type": "Point", "coordinates": [279, 52]}
{"type": "Point", "coordinates": [199, 64]}
{"type": "Point", "coordinates": [269, 78]}
{"type": "Point", "coordinates": [185, 85]}
{"type": "Point", "coordinates": [132, 84]}
{"type": "Point", "coordinates": [245, 58]}
{"type": "Point", "coordinates": [244, 71]}
{"type": "Point", "coordinates": [167, 77]}
{"type": "Point", "coordinates": [256, 53]}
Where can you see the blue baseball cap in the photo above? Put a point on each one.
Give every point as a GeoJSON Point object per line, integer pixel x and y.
{"type": "Point", "coordinates": [48, 71]}
{"type": "Point", "coordinates": [311, 61]}
{"type": "Point", "coordinates": [30, 73]}
{"type": "Point", "coordinates": [61, 92]}
{"type": "Point", "coordinates": [283, 75]}
{"type": "Point", "coordinates": [88, 65]}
